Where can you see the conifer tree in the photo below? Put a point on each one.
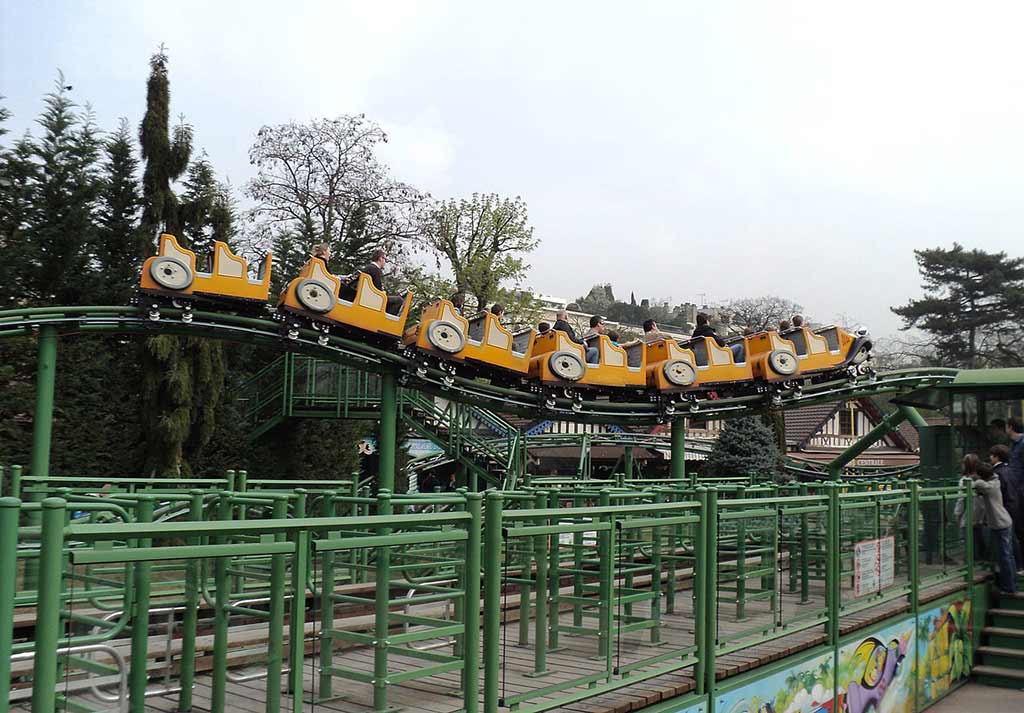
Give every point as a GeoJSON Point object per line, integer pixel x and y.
{"type": "Point", "coordinates": [971, 308]}
{"type": "Point", "coordinates": [61, 232]}
{"type": "Point", "coordinates": [19, 176]}
{"type": "Point", "coordinates": [166, 157]}
{"type": "Point", "coordinates": [121, 244]}
{"type": "Point", "coordinates": [745, 447]}
{"type": "Point", "coordinates": [167, 366]}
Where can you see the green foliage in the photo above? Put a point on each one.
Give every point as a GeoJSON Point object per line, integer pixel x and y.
{"type": "Point", "coordinates": [121, 244]}
{"type": "Point", "coordinates": [310, 449]}
{"type": "Point", "coordinates": [745, 447]}
{"type": "Point", "coordinates": [972, 307]}
{"type": "Point", "coordinates": [483, 240]}
{"type": "Point", "coordinates": [166, 156]}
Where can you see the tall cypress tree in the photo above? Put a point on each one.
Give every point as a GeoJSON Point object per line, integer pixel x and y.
{"type": "Point", "coordinates": [168, 374]}
{"type": "Point", "coordinates": [166, 157]}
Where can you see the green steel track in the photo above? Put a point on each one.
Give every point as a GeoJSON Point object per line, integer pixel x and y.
{"type": "Point", "coordinates": [267, 331]}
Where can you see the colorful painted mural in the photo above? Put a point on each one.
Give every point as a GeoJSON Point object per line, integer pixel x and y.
{"type": "Point", "coordinates": [944, 648]}
{"type": "Point", "coordinates": [875, 672]}
{"type": "Point", "coordinates": [805, 688]}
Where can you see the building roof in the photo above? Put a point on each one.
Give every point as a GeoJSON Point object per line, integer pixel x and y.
{"type": "Point", "coordinates": [803, 423]}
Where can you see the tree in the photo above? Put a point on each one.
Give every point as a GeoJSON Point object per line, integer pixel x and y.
{"type": "Point", "coordinates": [166, 157]}
{"type": "Point", "coordinates": [483, 239]}
{"type": "Point", "coordinates": [207, 210]}
{"type": "Point", "coordinates": [121, 245]}
{"type": "Point", "coordinates": [761, 313]}
{"type": "Point", "coordinates": [19, 184]}
{"type": "Point", "coordinates": [745, 447]}
{"type": "Point", "coordinates": [60, 233]}
{"type": "Point", "coordinates": [321, 182]}
{"type": "Point", "coordinates": [972, 307]}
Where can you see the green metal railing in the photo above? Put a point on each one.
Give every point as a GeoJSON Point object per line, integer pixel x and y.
{"type": "Point", "coordinates": [607, 586]}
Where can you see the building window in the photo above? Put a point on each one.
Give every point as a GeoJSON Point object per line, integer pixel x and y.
{"type": "Point", "coordinates": [846, 422]}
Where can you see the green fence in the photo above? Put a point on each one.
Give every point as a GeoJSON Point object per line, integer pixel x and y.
{"type": "Point", "coordinates": [527, 600]}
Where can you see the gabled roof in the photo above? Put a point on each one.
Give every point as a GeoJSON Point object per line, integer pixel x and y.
{"type": "Point", "coordinates": [803, 423]}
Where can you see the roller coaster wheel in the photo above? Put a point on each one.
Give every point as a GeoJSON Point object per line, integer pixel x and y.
{"type": "Point", "coordinates": [170, 273]}
{"type": "Point", "coordinates": [577, 406]}
{"type": "Point", "coordinates": [322, 340]}
{"type": "Point", "coordinates": [549, 402]}
{"type": "Point", "coordinates": [679, 372]}
{"type": "Point", "coordinates": [447, 380]}
{"type": "Point", "coordinates": [694, 407]}
{"type": "Point", "coordinates": [186, 316]}
{"type": "Point", "coordinates": [315, 296]}
{"type": "Point", "coordinates": [865, 369]}
{"type": "Point", "coordinates": [446, 336]}
{"type": "Point", "coordinates": [670, 408]}
{"type": "Point", "coordinates": [782, 362]}
{"type": "Point", "coordinates": [421, 370]}
{"type": "Point", "coordinates": [154, 313]}
{"type": "Point", "coordinates": [293, 332]}
{"type": "Point", "coordinates": [566, 365]}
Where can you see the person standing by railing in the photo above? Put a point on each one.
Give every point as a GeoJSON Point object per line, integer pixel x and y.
{"type": "Point", "coordinates": [1000, 524]}
{"type": "Point", "coordinates": [969, 469]}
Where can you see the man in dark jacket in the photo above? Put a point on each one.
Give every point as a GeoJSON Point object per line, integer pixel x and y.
{"type": "Point", "coordinates": [704, 329]}
{"type": "Point", "coordinates": [375, 269]}
{"type": "Point", "coordinates": [562, 324]}
{"type": "Point", "coordinates": [998, 456]}
{"type": "Point", "coordinates": [1016, 473]}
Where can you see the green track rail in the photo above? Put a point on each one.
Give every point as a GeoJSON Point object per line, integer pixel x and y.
{"type": "Point", "coordinates": [268, 331]}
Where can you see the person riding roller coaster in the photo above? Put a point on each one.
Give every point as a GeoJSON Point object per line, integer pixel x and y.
{"type": "Point", "coordinates": [375, 269]}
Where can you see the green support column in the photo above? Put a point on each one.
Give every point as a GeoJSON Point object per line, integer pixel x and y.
{"type": "Point", "coordinates": [222, 599]}
{"type": "Point", "coordinates": [138, 674]}
{"type": "Point", "coordinates": [48, 629]}
{"type": "Point", "coordinates": [329, 509]}
{"type": "Point", "coordinates": [16, 481]}
{"type": "Point", "coordinates": [492, 600]}
{"type": "Point", "coordinates": [42, 419]}
{"type": "Point", "coordinates": [381, 602]}
{"type": "Point", "coordinates": [627, 465]}
{"type": "Point", "coordinates": [386, 442]}
{"type": "Point", "coordinates": [710, 586]}
{"type": "Point", "coordinates": [884, 427]}
{"type": "Point", "coordinates": [679, 449]}
{"type": "Point", "coordinates": [832, 567]}
{"type": "Point", "coordinates": [275, 627]}
{"type": "Point", "coordinates": [10, 508]}
{"type": "Point", "coordinates": [540, 619]}
{"type": "Point", "coordinates": [297, 625]}
{"type": "Point", "coordinates": [191, 614]}
{"type": "Point", "coordinates": [700, 588]}
{"type": "Point", "coordinates": [471, 640]}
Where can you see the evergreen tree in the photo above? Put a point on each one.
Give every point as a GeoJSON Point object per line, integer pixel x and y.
{"type": "Point", "coordinates": [61, 232]}
{"type": "Point", "coordinates": [207, 210]}
{"type": "Point", "coordinates": [19, 183]}
{"type": "Point", "coordinates": [121, 244]}
{"type": "Point", "coordinates": [745, 447]}
{"type": "Point", "coordinates": [166, 157]}
{"type": "Point", "coordinates": [972, 307]}
{"type": "Point", "coordinates": [168, 365]}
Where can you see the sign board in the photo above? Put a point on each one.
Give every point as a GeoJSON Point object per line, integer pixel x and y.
{"type": "Point", "coordinates": [874, 565]}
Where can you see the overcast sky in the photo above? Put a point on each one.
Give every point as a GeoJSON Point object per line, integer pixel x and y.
{"type": "Point", "coordinates": [676, 150]}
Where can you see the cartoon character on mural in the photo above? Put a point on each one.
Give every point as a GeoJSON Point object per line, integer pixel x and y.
{"type": "Point", "coordinates": [945, 649]}
{"type": "Point", "coordinates": [803, 688]}
{"type": "Point", "coordinates": [881, 665]}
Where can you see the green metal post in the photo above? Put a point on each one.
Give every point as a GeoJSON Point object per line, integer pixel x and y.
{"type": "Point", "coordinates": [471, 638]}
{"type": "Point", "coordinates": [231, 480]}
{"type": "Point", "coordinates": [884, 427]}
{"type": "Point", "coordinates": [10, 509]}
{"type": "Point", "coordinates": [16, 481]}
{"type": "Point", "coordinates": [222, 599]}
{"type": "Point", "coordinates": [554, 556]}
{"type": "Point", "coordinates": [679, 449]}
{"type": "Point", "coordinates": [700, 588]}
{"type": "Point", "coordinates": [540, 620]}
{"type": "Point", "coordinates": [138, 675]}
{"type": "Point", "coordinates": [388, 426]}
{"type": "Point", "coordinates": [656, 587]}
{"type": "Point", "coordinates": [741, 570]}
{"type": "Point", "coordinates": [275, 626]}
{"type": "Point", "coordinates": [326, 605]}
{"type": "Point", "coordinates": [242, 481]}
{"type": "Point", "coordinates": [191, 614]}
{"type": "Point", "coordinates": [710, 588]}
{"type": "Point", "coordinates": [297, 625]}
{"type": "Point", "coordinates": [627, 465]}
{"type": "Point", "coordinates": [381, 602]}
{"type": "Point", "coordinates": [42, 419]}
{"type": "Point", "coordinates": [832, 569]}
{"type": "Point", "coordinates": [492, 600]}
{"type": "Point", "coordinates": [606, 587]}
{"type": "Point", "coordinates": [47, 633]}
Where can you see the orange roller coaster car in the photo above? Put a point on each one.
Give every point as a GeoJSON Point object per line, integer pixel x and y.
{"type": "Point", "coordinates": [316, 293]}
{"type": "Point", "coordinates": [828, 349]}
{"type": "Point", "coordinates": [558, 360]}
{"type": "Point", "coordinates": [172, 271]}
{"type": "Point", "coordinates": [481, 339]}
